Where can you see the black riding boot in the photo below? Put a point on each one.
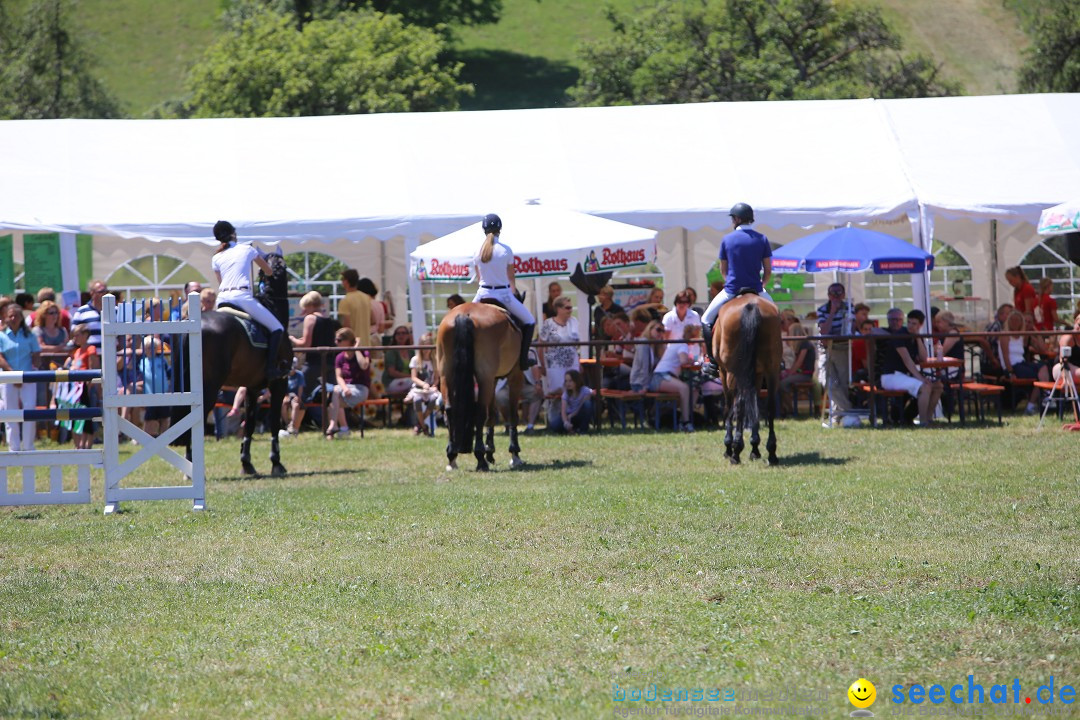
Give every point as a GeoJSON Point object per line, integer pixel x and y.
{"type": "Point", "coordinates": [711, 368]}
{"type": "Point", "coordinates": [273, 363]}
{"type": "Point", "coordinates": [526, 341]}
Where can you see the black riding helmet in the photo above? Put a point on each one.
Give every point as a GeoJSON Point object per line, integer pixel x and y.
{"type": "Point", "coordinates": [223, 230]}
{"type": "Point", "coordinates": [742, 211]}
{"type": "Point", "coordinates": [491, 223]}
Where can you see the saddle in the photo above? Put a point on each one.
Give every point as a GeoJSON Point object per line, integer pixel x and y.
{"type": "Point", "coordinates": [258, 335]}
{"type": "Point", "coordinates": [513, 320]}
{"type": "Point", "coordinates": [746, 291]}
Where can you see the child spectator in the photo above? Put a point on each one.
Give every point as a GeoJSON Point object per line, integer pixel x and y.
{"type": "Point", "coordinates": [352, 369]}
{"type": "Point", "coordinates": [424, 394]}
{"type": "Point", "coordinates": [576, 412]}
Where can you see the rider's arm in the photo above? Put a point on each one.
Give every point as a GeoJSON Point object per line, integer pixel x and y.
{"type": "Point", "coordinates": [723, 267]}
{"type": "Point", "coordinates": [766, 264]}
{"type": "Point", "coordinates": [510, 278]}
{"type": "Point", "coordinates": [263, 265]}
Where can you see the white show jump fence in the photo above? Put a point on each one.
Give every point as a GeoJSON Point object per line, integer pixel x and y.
{"type": "Point", "coordinates": [120, 337]}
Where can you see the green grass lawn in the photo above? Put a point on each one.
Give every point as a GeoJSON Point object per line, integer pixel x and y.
{"type": "Point", "coordinates": [370, 583]}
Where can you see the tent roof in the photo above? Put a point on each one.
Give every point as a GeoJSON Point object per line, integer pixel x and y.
{"type": "Point", "coordinates": [386, 175]}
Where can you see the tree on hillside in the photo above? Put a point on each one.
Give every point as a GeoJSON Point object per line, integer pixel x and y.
{"type": "Point", "coordinates": [45, 70]}
{"type": "Point", "coordinates": [707, 50]}
{"type": "Point", "coordinates": [358, 62]}
{"type": "Point", "coordinates": [1052, 63]}
{"type": "Point", "coordinates": [426, 13]}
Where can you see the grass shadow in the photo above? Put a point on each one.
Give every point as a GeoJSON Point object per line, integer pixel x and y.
{"type": "Point", "coordinates": [811, 458]}
{"type": "Point", "coordinates": [504, 80]}
{"type": "Point", "coordinates": [292, 474]}
{"type": "Point", "coordinates": [554, 465]}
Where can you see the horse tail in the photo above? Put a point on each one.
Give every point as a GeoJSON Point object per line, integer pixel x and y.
{"type": "Point", "coordinates": [746, 372]}
{"type": "Point", "coordinates": [462, 385]}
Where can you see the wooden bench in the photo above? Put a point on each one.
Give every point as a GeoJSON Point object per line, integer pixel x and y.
{"type": "Point", "coordinates": [383, 403]}
{"type": "Point", "coordinates": [659, 400]}
{"type": "Point", "coordinates": [617, 399]}
{"type": "Point", "coordinates": [980, 394]}
{"type": "Point", "coordinates": [873, 392]}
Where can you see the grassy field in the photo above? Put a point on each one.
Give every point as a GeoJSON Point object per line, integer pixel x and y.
{"type": "Point", "coordinates": [369, 583]}
{"type": "Point", "coordinates": [529, 58]}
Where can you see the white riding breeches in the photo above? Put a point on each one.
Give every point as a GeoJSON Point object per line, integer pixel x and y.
{"type": "Point", "coordinates": [512, 304]}
{"type": "Point", "coordinates": [258, 312]}
{"type": "Point", "coordinates": [709, 318]}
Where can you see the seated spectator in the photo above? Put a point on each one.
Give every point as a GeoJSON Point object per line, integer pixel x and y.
{"type": "Point", "coordinates": [646, 355]}
{"type": "Point", "coordinates": [675, 320]}
{"type": "Point", "coordinates": [665, 377]}
{"type": "Point", "coordinates": [576, 409]}
{"type": "Point", "coordinates": [316, 330]}
{"type": "Point", "coordinates": [424, 394]}
{"type": "Point", "coordinates": [787, 319]}
{"type": "Point", "coordinates": [207, 301]}
{"type": "Point", "coordinates": [952, 346]}
{"type": "Point", "coordinates": [1014, 362]}
{"type": "Point", "coordinates": [605, 305]}
{"type": "Point", "coordinates": [897, 369]}
{"type": "Point", "coordinates": [47, 293]}
{"type": "Point", "coordinates": [990, 352]}
{"type": "Point", "coordinates": [85, 357]}
{"type": "Point", "coordinates": [654, 306]}
{"type": "Point", "coordinates": [352, 369]}
{"type": "Point", "coordinates": [156, 374]}
{"type": "Point", "coordinates": [532, 394]}
{"type": "Point", "coordinates": [293, 409]}
{"type": "Point", "coordinates": [860, 352]}
{"type": "Point", "coordinates": [639, 319]}
{"type": "Point", "coordinates": [617, 328]}
{"type": "Point", "coordinates": [1070, 341]}
{"type": "Point", "coordinates": [800, 371]}
{"type": "Point", "coordinates": [454, 300]}
{"type": "Point", "coordinates": [397, 379]}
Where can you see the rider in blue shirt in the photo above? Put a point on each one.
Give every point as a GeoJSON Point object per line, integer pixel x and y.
{"type": "Point", "coordinates": [745, 261]}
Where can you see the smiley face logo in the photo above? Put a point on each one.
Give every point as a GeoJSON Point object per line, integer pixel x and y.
{"type": "Point", "coordinates": [862, 694]}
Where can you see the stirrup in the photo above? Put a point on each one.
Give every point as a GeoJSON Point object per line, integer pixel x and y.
{"type": "Point", "coordinates": [709, 369]}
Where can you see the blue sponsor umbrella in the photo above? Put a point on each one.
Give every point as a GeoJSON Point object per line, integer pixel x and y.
{"type": "Point", "coordinates": [852, 249]}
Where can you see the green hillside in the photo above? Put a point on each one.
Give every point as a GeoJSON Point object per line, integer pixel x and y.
{"type": "Point", "coordinates": [529, 58]}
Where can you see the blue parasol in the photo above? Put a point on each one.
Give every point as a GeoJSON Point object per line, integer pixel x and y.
{"type": "Point", "coordinates": [852, 249]}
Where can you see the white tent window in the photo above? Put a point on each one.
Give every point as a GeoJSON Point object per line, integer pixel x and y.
{"type": "Point", "coordinates": [153, 276]}
{"type": "Point", "coordinates": [1047, 259]}
{"type": "Point", "coordinates": [951, 272]}
{"type": "Point", "coordinates": [435, 294]}
{"type": "Point", "coordinates": [316, 271]}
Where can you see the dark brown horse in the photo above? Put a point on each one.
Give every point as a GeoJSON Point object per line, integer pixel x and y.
{"type": "Point", "coordinates": [746, 342]}
{"type": "Point", "coordinates": [477, 344]}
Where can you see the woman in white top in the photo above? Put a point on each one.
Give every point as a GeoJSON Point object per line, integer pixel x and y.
{"type": "Point", "coordinates": [232, 265]}
{"type": "Point", "coordinates": [665, 376]}
{"type": "Point", "coordinates": [558, 360]}
{"type": "Point", "coordinates": [495, 269]}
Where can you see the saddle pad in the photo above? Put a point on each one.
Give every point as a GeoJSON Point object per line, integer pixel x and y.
{"type": "Point", "coordinates": [257, 334]}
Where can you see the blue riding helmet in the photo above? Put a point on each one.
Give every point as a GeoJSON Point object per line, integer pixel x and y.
{"type": "Point", "coordinates": [491, 223]}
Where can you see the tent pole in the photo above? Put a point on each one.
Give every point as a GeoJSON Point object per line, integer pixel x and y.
{"type": "Point", "coordinates": [993, 267]}
{"type": "Point", "coordinates": [415, 293]}
{"type": "Point", "coordinates": [686, 258]}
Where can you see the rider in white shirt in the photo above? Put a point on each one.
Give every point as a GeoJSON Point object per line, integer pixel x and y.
{"type": "Point", "coordinates": [232, 265]}
{"type": "Point", "coordinates": [495, 269]}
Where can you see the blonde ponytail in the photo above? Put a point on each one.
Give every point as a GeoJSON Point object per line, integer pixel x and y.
{"type": "Point", "coordinates": [488, 248]}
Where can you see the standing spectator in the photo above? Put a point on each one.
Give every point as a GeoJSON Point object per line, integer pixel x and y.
{"type": "Point", "coordinates": [51, 336]}
{"type": "Point", "coordinates": [90, 313]}
{"type": "Point", "coordinates": [179, 309]}
{"type": "Point", "coordinates": [354, 310]}
{"type": "Point", "coordinates": [424, 394]}
{"type": "Point", "coordinates": [559, 360]}
{"type": "Point", "coordinates": [554, 292]}
{"type": "Point", "coordinates": [352, 368]}
{"type": "Point", "coordinates": [680, 316]}
{"type": "Point", "coordinates": [1046, 317]}
{"type": "Point", "coordinates": [317, 330]}
{"type": "Point", "coordinates": [382, 317]}
{"type": "Point", "coordinates": [576, 409]}
{"type": "Point", "coordinates": [1024, 296]}
{"type": "Point", "coordinates": [896, 355]}
{"type": "Point", "coordinates": [155, 371]}
{"type": "Point", "coordinates": [834, 318]}
{"type": "Point", "coordinates": [47, 293]}
{"type": "Point", "coordinates": [21, 353]}
{"type": "Point", "coordinates": [605, 305]}
{"type": "Point", "coordinates": [26, 302]}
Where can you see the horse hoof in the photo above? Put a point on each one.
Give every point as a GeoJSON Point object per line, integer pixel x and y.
{"type": "Point", "coordinates": [516, 462]}
{"type": "Point", "coordinates": [279, 471]}
{"type": "Point", "coordinates": [250, 470]}
{"type": "Point", "coordinates": [451, 467]}
{"type": "Point", "coordinates": [490, 458]}
{"type": "Point", "coordinates": [734, 460]}
{"type": "Point", "coordinates": [755, 455]}
{"type": "Point", "coordinates": [773, 461]}
{"type": "Point", "coordinates": [482, 467]}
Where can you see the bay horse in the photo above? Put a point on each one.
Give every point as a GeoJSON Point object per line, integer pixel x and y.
{"type": "Point", "coordinates": [746, 342]}
{"type": "Point", "coordinates": [229, 359]}
{"type": "Point", "coordinates": [477, 344]}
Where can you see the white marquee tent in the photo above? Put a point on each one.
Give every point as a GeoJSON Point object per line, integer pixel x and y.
{"type": "Point", "coordinates": [417, 176]}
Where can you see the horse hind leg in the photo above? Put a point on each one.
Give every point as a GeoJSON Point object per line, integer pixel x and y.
{"type": "Point", "coordinates": [770, 444]}
{"type": "Point", "coordinates": [755, 441]}
{"type": "Point", "coordinates": [277, 397]}
{"type": "Point", "coordinates": [489, 441]}
{"type": "Point", "coordinates": [479, 449]}
{"type": "Point", "coordinates": [451, 446]}
{"type": "Point", "coordinates": [737, 444]}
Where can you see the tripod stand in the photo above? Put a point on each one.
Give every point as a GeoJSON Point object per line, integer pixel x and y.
{"type": "Point", "coordinates": [1067, 386]}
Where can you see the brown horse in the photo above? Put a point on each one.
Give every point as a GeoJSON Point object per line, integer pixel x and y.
{"type": "Point", "coordinates": [476, 345]}
{"type": "Point", "coordinates": [746, 342]}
